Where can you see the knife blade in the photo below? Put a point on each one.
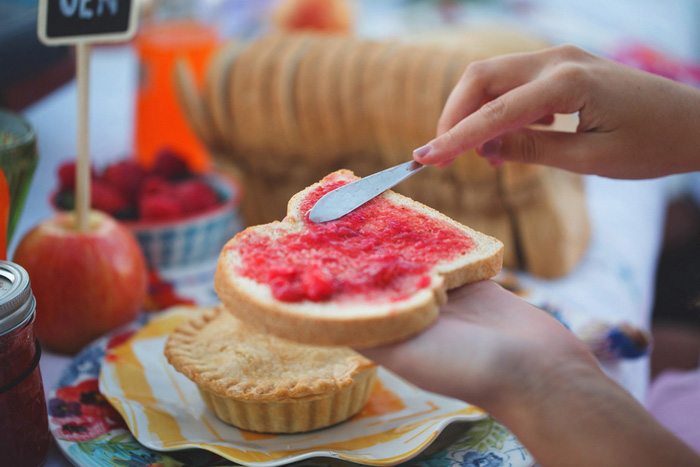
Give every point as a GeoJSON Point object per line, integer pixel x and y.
{"type": "Point", "coordinates": [347, 198]}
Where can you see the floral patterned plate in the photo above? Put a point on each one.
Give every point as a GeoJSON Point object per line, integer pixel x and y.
{"type": "Point", "coordinates": [92, 433]}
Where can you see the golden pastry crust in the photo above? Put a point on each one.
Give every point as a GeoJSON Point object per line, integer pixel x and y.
{"type": "Point", "coordinates": [225, 357]}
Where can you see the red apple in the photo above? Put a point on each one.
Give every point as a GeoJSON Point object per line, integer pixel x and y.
{"type": "Point", "coordinates": [333, 16]}
{"type": "Point", "coordinates": [85, 283]}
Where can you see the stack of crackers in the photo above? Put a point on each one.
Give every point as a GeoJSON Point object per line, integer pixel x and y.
{"type": "Point", "coordinates": [284, 110]}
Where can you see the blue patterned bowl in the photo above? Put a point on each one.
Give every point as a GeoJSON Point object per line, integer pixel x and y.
{"type": "Point", "coordinates": [192, 240]}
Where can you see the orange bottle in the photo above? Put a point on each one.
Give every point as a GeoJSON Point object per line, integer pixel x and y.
{"type": "Point", "coordinates": [160, 121]}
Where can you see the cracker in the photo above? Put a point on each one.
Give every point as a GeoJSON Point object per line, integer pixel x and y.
{"type": "Point", "coordinates": [457, 63]}
{"type": "Point", "coordinates": [389, 109]}
{"type": "Point", "coordinates": [240, 97]}
{"type": "Point", "coordinates": [517, 176]}
{"type": "Point", "coordinates": [353, 121]}
{"type": "Point", "coordinates": [426, 98]}
{"type": "Point", "coordinates": [216, 90]}
{"type": "Point", "coordinates": [553, 229]}
{"type": "Point", "coordinates": [283, 118]}
{"type": "Point", "coordinates": [191, 102]}
{"type": "Point", "coordinates": [416, 73]}
{"type": "Point", "coordinates": [317, 144]}
{"type": "Point", "coordinates": [329, 95]}
{"type": "Point", "coordinates": [260, 108]}
{"type": "Point", "coordinates": [435, 85]}
{"type": "Point", "coordinates": [373, 89]}
{"type": "Point", "coordinates": [305, 98]}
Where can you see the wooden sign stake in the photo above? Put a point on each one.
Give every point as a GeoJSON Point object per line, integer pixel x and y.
{"type": "Point", "coordinates": [82, 22]}
{"type": "Point", "coordinates": [82, 166]}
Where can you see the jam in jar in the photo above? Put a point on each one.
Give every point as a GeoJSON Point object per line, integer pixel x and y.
{"type": "Point", "coordinates": [24, 431]}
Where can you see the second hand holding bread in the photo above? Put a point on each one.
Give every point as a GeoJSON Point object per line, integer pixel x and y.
{"type": "Point", "coordinates": [378, 275]}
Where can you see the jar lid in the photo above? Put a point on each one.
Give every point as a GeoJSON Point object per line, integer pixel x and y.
{"type": "Point", "coordinates": [17, 302]}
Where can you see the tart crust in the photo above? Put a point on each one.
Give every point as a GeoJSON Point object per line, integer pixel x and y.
{"type": "Point", "coordinates": [262, 383]}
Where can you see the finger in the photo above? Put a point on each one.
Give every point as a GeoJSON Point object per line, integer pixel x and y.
{"type": "Point", "coordinates": [484, 80]}
{"type": "Point", "coordinates": [575, 152]}
{"type": "Point", "coordinates": [546, 120]}
{"type": "Point", "coordinates": [517, 108]}
{"type": "Point", "coordinates": [585, 153]}
{"type": "Point", "coordinates": [389, 356]}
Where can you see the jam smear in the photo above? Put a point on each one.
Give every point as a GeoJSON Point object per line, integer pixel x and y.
{"type": "Point", "coordinates": [24, 430]}
{"type": "Point", "coordinates": [381, 252]}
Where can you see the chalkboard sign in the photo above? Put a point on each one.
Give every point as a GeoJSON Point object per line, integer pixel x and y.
{"type": "Point", "coordinates": [74, 21]}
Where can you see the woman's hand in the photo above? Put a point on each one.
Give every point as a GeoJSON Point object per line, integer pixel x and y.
{"type": "Point", "coordinates": [488, 347]}
{"type": "Point", "coordinates": [632, 124]}
{"type": "Point", "coordinates": [492, 349]}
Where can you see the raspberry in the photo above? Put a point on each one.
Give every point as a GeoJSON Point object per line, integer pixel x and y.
{"type": "Point", "coordinates": [170, 165]}
{"type": "Point", "coordinates": [196, 196]}
{"type": "Point", "coordinates": [155, 184]}
{"type": "Point", "coordinates": [127, 177]}
{"type": "Point", "coordinates": [159, 207]}
{"type": "Point", "coordinates": [107, 199]}
{"type": "Point", "coordinates": [66, 176]}
{"type": "Point", "coordinates": [127, 191]}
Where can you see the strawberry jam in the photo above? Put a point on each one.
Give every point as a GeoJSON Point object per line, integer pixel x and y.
{"type": "Point", "coordinates": [24, 429]}
{"type": "Point", "coordinates": [382, 252]}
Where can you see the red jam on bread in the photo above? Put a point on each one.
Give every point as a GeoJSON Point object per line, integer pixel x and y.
{"type": "Point", "coordinates": [381, 252]}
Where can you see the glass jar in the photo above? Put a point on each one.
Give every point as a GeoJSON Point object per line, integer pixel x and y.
{"type": "Point", "coordinates": [24, 430]}
{"type": "Point", "coordinates": [175, 30]}
{"type": "Point", "coordinates": [18, 161]}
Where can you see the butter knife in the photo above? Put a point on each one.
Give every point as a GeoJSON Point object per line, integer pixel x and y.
{"type": "Point", "coordinates": [347, 198]}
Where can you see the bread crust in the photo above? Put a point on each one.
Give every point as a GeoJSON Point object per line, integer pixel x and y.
{"type": "Point", "coordinates": [357, 325]}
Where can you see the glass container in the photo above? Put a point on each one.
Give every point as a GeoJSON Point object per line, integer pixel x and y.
{"type": "Point", "coordinates": [18, 160]}
{"type": "Point", "coordinates": [24, 431]}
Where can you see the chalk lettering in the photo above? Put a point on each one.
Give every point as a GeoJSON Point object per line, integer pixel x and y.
{"type": "Point", "coordinates": [113, 6]}
{"type": "Point", "coordinates": [84, 12]}
{"type": "Point", "coordinates": [68, 7]}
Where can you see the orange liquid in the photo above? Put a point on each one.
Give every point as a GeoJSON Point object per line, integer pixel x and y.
{"type": "Point", "coordinates": [160, 121]}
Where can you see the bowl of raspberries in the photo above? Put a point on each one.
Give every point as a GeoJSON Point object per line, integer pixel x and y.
{"type": "Point", "coordinates": [180, 218]}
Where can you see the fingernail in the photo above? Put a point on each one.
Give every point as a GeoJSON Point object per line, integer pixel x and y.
{"type": "Point", "coordinates": [491, 148]}
{"type": "Point", "coordinates": [422, 151]}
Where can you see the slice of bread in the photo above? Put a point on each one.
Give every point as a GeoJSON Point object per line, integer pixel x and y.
{"type": "Point", "coordinates": [343, 316]}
